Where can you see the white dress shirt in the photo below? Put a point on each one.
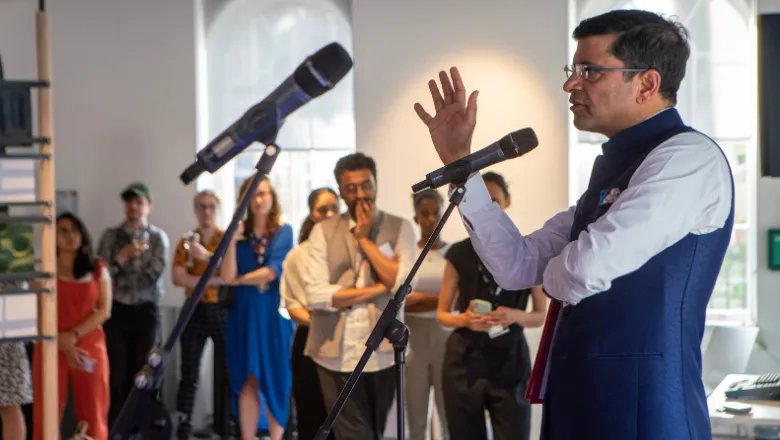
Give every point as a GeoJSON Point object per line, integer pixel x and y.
{"type": "Point", "coordinates": [357, 323]}
{"type": "Point", "coordinates": [683, 186]}
{"type": "Point", "coordinates": [430, 276]}
{"type": "Point", "coordinates": [291, 286]}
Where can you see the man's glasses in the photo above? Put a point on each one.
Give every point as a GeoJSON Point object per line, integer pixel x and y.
{"type": "Point", "coordinates": [583, 71]}
{"type": "Point", "coordinates": [352, 188]}
{"type": "Point", "coordinates": [206, 207]}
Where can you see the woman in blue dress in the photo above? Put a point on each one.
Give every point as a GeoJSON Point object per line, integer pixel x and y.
{"type": "Point", "coordinates": [259, 339]}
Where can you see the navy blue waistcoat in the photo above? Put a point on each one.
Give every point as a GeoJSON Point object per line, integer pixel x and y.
{"type": "Point", "coordinates": [626, 363]}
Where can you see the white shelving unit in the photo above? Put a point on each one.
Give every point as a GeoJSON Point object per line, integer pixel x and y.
{"type": "Point", "coordinates": [29, 298]}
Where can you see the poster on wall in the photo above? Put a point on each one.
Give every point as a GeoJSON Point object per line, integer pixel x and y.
{"type": "Point", "coordinates": [67, 201]}
{"type": "Point", "coordinates": [17, 252]}
{"type": "Point", "coordinates": [17, 256]}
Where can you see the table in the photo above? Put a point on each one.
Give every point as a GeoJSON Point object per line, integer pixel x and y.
{"type": "Point", "coordinates": [764, 412]}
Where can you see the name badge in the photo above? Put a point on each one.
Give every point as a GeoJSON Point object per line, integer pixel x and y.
{"type": "Point", "coordinates": [497, 330]}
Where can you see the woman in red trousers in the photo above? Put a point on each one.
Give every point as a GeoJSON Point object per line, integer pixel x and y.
{"type": "Point", "coordinates": [83, 304]}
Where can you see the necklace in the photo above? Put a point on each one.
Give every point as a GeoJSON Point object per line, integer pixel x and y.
{"type": "Point", "coordinates": [259, 245]}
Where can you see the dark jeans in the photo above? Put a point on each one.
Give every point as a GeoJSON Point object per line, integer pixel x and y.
{"type": "Point", "coordinates": [364, 415]}
{"type": "Point", "coordinates": [307, 393]}
{"type": "Point", "coordinates": [131, 333]}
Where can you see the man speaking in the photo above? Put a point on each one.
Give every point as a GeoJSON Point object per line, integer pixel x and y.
{"type": "Point", "coordinates": [633, 264]}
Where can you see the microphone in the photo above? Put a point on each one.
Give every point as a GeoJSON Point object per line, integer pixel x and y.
{"type": "Point", "coordinates": [510, 146]}
{"type": "Point", "coordinates": [316, 75]}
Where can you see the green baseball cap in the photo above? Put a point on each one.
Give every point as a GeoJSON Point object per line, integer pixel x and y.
{"type": "Point", "coordinates": [136, 189]}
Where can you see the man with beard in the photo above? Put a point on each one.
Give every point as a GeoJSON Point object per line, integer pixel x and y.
{"type": "Point", "coordinates": [631, 267]}
{"type": "Point", "coordinates": [356, 262]}
{"type": "Point", "coordinates": [137, 254]}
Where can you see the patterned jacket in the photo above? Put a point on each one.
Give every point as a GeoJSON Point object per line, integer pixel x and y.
{"type": "Point", "coordinates": [139, 280]}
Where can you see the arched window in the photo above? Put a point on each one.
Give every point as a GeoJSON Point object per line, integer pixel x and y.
{"type": "Point", "coordinates": [718, 96]}
{"type": "Point", "coordinates": [248, 48]}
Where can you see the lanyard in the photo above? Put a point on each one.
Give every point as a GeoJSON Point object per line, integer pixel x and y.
{"type": "Point", "coordinates": [494, 291]}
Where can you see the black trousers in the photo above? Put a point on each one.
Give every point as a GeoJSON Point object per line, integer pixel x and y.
{"type": "Point", "coordinates": [307, 393]}
{"type": "Point", "coordinates": [365, 412]}
{"type": "Point", "coordinates": [470, 387]}
{"type": "Point", "coordinates": [207, 321]}
{"type": "Point", "coordinates": [465, 404]}
{"type": "Point", "coordinates": [131, 333]}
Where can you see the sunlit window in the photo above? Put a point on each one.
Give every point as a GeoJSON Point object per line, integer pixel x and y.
{"type": "Point", "coordinates": [250, 48]}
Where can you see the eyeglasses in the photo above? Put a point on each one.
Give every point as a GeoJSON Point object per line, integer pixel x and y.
{"type": "Point", "coordinates": [583, 70]}
{"type": "Point", "coordinates": [352, 188]}
{"type": "Point", "coordinates": [67, 231]}
{"type": "Point", "coordinates": [206, 207]}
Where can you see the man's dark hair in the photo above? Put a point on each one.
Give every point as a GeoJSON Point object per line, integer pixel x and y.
{"type": "Point", "coordinates": [354, 162]}
{"type": "Point", "coordinates": [498, 179]}
{"type": "Point", "coordinates": [645, 41]}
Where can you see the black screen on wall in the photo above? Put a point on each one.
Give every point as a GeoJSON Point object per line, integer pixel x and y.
{"type": "Point", "coordinates": [769, 93]}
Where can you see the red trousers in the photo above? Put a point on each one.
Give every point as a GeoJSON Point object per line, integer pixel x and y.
{"type": "Point", "coordinates": [90, 391]}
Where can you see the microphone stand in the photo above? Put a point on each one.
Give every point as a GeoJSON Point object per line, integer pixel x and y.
{"type": "Point", "coordinates": [143, 416]}
{"type": "Point", "coordinates": [395, 331]}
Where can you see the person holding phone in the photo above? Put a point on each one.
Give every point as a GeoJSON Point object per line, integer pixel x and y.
{"type": "Point", "coordinates": [83, 305]}
{"type": "Point", "coordinates": [486, 360]}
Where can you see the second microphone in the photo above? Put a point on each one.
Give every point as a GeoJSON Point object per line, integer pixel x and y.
{"type": "Point", "coordinates": [513, 145]}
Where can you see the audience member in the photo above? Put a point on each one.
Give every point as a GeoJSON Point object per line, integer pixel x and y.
{"type": "Point", "coordinates": [355, 263]}
{"type": "Point", "coordinates": [15, 383]}
{"type": "Point", "coordinates": [259, 339]}
{"type": "Point", "coordinates": [428, 338]}
{"type": "Point", "coordinates": [191, 257]}
{"type": "Point", "coordinates": [307, 395]}
{"type": "Point", "coordinates": [83, 305]}
{"type": "Point", "coordinates": [137, 254]}
{"type": "Point", "coordinates": [486, 361]}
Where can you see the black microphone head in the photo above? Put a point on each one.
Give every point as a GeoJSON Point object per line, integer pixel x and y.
{"type": "Point", "coordinates": [322, 70]}
{"type": "Point", "coordinates": [518, 143]}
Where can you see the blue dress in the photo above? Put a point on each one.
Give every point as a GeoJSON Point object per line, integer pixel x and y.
{"type": "Point", "coordinates": [259, 339]}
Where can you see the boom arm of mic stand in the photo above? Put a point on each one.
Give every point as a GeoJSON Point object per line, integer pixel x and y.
{"type": "Point", "coordinates": [389, 327]}
{"type": "Point", "coordinates": [142, 415]}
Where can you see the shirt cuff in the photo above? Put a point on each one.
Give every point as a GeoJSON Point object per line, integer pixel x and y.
{"type": "Point", "coordinates": [477, 197]}
{"type": "Point", "coordinates": [292, 305]}
{"type": "Point", "coordinates": [557, 284]}
{"type": "Point", "coordinates": [323, 300]}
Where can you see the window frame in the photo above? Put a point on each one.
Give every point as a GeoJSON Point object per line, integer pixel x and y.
{"type": "Point", "coordinates": [317, 137]}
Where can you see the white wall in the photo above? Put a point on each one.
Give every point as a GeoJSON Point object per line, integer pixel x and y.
{"type": "Point", "coordinates": [768, 216]}
{"type": "Point", "coordinates": [513, 52]}
{"type": "Point", "coordinates": [124, 101]}
{"type": "Point", "coordinates": [514, 57]}
{"type": "Point", "coordinates": [124, 106]}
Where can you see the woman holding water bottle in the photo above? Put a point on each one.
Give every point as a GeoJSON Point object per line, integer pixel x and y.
{"type": "Point", "coordinates": [83, 304]}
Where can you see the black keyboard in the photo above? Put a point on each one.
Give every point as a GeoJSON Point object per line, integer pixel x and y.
{"type": "Point", "coordinates": [764, 387]}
